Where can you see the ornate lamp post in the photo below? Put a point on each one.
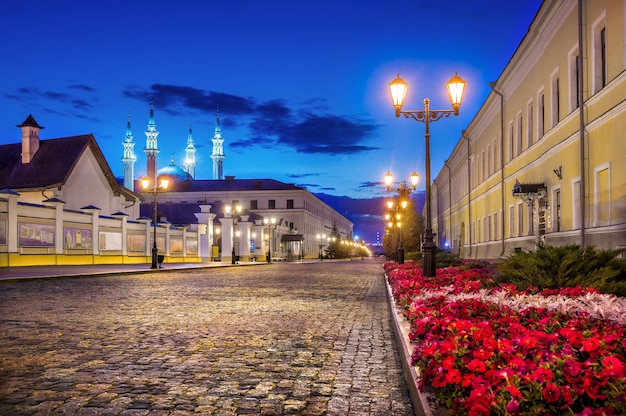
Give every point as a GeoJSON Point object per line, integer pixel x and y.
{"type": "Point", "coordinates": [398, 88]}
{"type": "Point", "coordinates": [236, 210]}
{"type": "Point", "coordinates": [271, 226]}
{"type": "Point", "coordinates": [146, 185]}
{"type": "Point", "coordinates": [404, 191]}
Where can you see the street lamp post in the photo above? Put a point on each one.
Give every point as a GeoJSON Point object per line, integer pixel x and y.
{"type": "Point", "coordinates": [236, 210]}
{"type": "Point", "coordinates": [321, 237]}
{"type": "Point", "coordinates": [404, 191]}
{"type": "Point", "coordinates": [146, 185]}
{"type": "Point", "coordinates": [271, 225]}
{"type": "Point", "coordinates": [398, 88]}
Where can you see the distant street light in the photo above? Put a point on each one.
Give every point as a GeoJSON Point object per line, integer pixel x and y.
{"type": "Point", "coordinates": [271, 226]}
{"type": "Point", "coordinates": [234, 211]}
{"type": "Point", "coordinates": [147, 186]}
{"type": "Point", "coordinates": [403, 190]}
{"type": "Point", "coordinates": [398, 88]}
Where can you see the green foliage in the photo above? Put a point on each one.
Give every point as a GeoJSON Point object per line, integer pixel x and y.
{"type": "Point", "coordinates": [445, 258]}
{"type": "Point", "coordinates": [566, 266]}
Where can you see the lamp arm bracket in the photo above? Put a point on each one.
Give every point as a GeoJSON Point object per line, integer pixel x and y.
{"type": "Point", "coordinates": [420, 115]}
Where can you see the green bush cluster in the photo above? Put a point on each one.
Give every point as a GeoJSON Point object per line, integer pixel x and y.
{"type": "Point", "coordinates": [565, 266]}
{"type": "Point", "coordinates": [443, 258]}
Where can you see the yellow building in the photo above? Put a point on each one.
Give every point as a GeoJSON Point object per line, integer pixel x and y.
{"type": "Point", "coordinates": [544, 159]}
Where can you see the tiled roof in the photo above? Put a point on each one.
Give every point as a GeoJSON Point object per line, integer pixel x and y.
{"type": "Point", "coordinates": [224, 185]}
{"type": "Point", "coordinates": [52, 165]}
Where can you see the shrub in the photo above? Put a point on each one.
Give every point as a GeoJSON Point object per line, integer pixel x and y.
{"type": "Point", "coordinates": [551, 267]}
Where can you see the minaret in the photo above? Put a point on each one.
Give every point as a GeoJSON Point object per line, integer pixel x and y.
{"type": "Point", "coordinates": [151, 149]}
{"type": "Point", "coordinates": [129, 158]}
{"type": "Point", "coordinates": [218, 150]}
{"type": "Point", "coordinates": [190, 155]}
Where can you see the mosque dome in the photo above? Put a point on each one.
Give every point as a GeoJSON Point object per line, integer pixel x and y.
{"type": "Point", "coordinates": [174, 173]}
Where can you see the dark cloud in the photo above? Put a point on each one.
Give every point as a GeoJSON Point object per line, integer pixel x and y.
{"type": "Point", "coordinates": [63, 101]}
{"type": "Point", "coordinates": [272, 124]}
{"type": "Point", "coordinates": [176, 99]}
{"type": "Point", "coordinates": [371, 184]}
{"type": "Point", "coordinates": [302, 175]}
{"type": "Point", "coordinates": [82, 87]}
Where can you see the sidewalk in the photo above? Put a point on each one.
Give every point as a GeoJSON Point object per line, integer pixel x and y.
{"type": "Point", "coordinates": [38, 272]}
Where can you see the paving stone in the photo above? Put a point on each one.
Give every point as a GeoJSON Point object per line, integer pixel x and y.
{"type": "Point", "coordinates": [306, 339]}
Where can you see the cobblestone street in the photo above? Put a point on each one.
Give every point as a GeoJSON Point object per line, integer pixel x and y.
{"type": "Point", "coordinates": [292, 338]}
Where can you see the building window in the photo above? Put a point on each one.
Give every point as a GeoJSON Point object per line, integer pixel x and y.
{"type": "Point", "coordinates": [599, 40]}
{"type": "Point", "coordinates": [511, 221]}
{"type": "Point", "coordinates": [529, 129]}
{"type": "Point", "coordinates": [603, 69]}
{"type": "Point", "coordinates": [495, 225]}
{"type": "Point", "coordinates": [510, 141]}
{"type": "Point", "coordinates": [531, 219]}
{"type": "Point", "coordinates": [557, 210]}
{"type": "Point", "coordinates": [488, 228]}
{"type": "Point", "coordinates": [290, 204]}
{"type": "Point", "coordinates": [520, 219]}
{"type": "Point", "coordinates": [519, 134]}
{"type": "Point", "coordinates": [576, 203]}
{"type": "Point", "coordinates": [556, 97]}
{"type": "Point", "coordinates": [254, 204]}
{"type": "Point", "coordinates": [478, 236]}
{"type": "Point", "coordinates": [541, 122]}
{"type": "Point", "coordinates": [602, 196]}
{"type": "Point", "coordinates": [494, 147]}
{"type": "Point", "coordinates": [271, 204]}
{"type": "Point", "coordinates": [573, 75]}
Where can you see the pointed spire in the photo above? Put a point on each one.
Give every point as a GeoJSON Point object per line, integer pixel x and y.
{"type": "Point", "coordinates": [129, 133]}
{"type": "Point", "coordinates": [190, 153]}
{"type": "Point", "coordinates": [218, 149]}
{"type": "Point", "coordinates": [151, 123]}
{"type": "Point", "coordinates": [129, 157]}
{"type": "Point", "coordinates": [218, 129]}
{"type": "Point", "coordinates": [190, 135]}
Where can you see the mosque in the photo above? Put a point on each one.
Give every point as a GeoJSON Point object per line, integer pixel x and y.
{"type": "Point", "coordinates": [247, 219]}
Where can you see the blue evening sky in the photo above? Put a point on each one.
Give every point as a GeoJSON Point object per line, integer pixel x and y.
{"type": "Point", "coordinates": [301, 85]}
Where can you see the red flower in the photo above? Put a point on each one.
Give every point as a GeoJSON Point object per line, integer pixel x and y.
{"type": "Point", "coordinates": [482, 354]}
{"type": "Point", "coordinates": [591, 344]}
{"type": "Point", "coordinates": [477, 366]}
{"type": "Point", "coordinates": [512, 406]}
{"type": "Point", "coordinates": [543, 375]}
{"type": "Point", "coordinates": [447, 347]}
{"type": "Point", "coordinates": [613, 367]}
{"type": "Point", "coordinates": [571, 367]}
{"type": "Point", "coordinates": [454, 376]}
{"type": "Point", "coordinates": [448, 362]}
{"type": "Point", "coordinates": [439, 380]}
{"type": "Point", "coordinates": [551, 393]}
{"type": "Point", "coordinates": [514, 391]}
{"type": "Point", "coordinates": [528, 342]}
{"type": "Point", "coordinates": [575, 337]}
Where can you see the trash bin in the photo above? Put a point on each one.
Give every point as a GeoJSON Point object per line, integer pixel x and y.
{"type": "Point", "coordinates": [160, 259]}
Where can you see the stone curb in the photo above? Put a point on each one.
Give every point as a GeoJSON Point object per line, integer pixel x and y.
{"type": "Point", "coordinates": [401, 328]}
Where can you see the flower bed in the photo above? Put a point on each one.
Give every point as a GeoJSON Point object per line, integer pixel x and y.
{"type": "Point", "coordinates": [499, 351]}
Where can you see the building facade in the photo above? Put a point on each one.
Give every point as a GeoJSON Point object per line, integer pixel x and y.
{"type": "Point", "coordinates": [544, 159]}
{"type": "Point", "coordinates": [61, 204]}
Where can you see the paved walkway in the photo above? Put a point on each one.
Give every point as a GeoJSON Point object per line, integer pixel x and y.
{"type": "Point", "coordinates": [297, 338]}
{"type": "Point", "coordinates": [35, 272]}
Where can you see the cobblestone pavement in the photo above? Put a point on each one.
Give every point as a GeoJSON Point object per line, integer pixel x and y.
{"type": "Point", "coordinates": [309, 339]}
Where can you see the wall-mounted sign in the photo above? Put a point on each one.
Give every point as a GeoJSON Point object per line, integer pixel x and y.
{"type": "Point", "coordinates": [136, 242]}
{"type": "Point", "coordinates": [110, 241]}
{"type": "Point", "coordinates": [35, 235]}
{"type": "Point", "coordinates": [77, 238]}
{"type": "Point", "coordinates": [3, 231]}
